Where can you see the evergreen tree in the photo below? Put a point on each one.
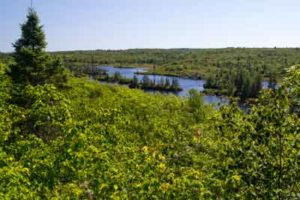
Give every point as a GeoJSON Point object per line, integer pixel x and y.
{"type": "Point", "coordinates": [239, 81]}
{"type": "Point", "coordinates": [257, 84]}
{"type": "Point", "coordinates": [32, 64]}
{"type": "Point", "coordinates": [135, 81]}
{"type": "Point", "coordinates": [167, 83]}
{"type": "Point", "coordinates": [117, 76]}
{"type": "Point", "coordinates": [272, 81]}
{"type": "Point", "coordinates": [162, 81]}
{"type": "Point", "coordinates": [175, 84]}
{"type": "Point", "coordinates": [146, 81]}
{"type": "Point", "coordinates": [211, 82]}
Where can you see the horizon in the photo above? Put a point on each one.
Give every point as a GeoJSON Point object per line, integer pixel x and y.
{"type": "Point", "coordinates": [131, 24]}
{"type": "Point", "coordinates": [179, 48]}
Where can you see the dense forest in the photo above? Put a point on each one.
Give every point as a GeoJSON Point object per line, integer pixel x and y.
{"type": "Point", "coordinates": [196, 63]}
{"type": "Point", "coordinates": [65, 137]}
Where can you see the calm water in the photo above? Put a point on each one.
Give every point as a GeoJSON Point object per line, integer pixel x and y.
{"type": "Point", "coordinates": [185, 83]}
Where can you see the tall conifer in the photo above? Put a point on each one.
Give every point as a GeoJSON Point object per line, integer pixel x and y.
{"type": "Point", "coordinates": [32, 64]}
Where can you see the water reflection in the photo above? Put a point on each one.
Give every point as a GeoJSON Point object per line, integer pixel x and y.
{"type": "Point", "coordinates": [185, 83]}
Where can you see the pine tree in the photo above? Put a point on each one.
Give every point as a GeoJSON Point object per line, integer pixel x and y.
{"type": "Point", "coordinates": [146, 81]}
{"type": "Point", "coordinates": [175, 84]}
{"type": "Point", "coordinates": [167, 83]}
{"type": "Point", "coordinates": [135, 81]}
{"type": "Point", "coordinates": [32, 64]}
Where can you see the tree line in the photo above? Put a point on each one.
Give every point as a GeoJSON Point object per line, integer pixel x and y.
{"type": "Point", "coordinates": [194, 63]}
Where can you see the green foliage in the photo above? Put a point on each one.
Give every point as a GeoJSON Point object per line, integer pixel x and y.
{"type": "Point", "coordinates": [5, 84]}
{"type": "Point", "coordinates": [32, 64]}
{"type": "Point", "coordinates": [5, 118]}
{"type": "Point", "coordinates": [92, 141]}
{"type": "Point", "coordinates": [257, 155]}
{"type": "Point", "coordinates": [46, 112]}
{"type": "Point", "coordinates": [105, 141]}
{"type": "Point", "coordinates": [241, 82]}
{"type": "Point", "coordinates": [196, 104]}
{"type": "Point", "coordinates": [196, 63]}
{"type": "Point", "coordinates": [14, 179]}
{"type": "Point", "coordinates": [292, 82]}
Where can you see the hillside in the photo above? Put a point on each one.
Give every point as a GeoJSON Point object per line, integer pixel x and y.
{"type": "Point", "coordinates": [90, 141]}
{"type": "Point", "coordinates": [64, 135]}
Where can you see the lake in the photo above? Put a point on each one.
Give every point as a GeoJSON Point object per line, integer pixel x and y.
{"type": "Point", "coordinates": [185, 83]}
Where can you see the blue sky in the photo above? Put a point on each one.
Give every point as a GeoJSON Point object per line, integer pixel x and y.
{"type": "Point", "coordinates": [124, 24]}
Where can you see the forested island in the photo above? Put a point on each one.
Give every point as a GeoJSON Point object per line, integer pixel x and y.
{"type": "Point", "coordinates": [163, 85]}
{"type": "Point", "coordinates": [66, 136]}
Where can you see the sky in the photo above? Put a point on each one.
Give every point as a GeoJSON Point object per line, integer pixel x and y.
{"type": "Point", "coordinates": [126, 24]}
